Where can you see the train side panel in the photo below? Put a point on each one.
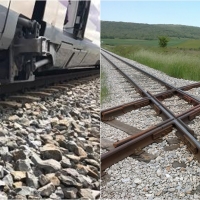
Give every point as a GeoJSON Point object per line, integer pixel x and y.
{"type": "Point", "coordinates": [25, 7]}
{"type": "Point", "coordinates": [37, 41]}
{"type": "Point", "coordinates": [3, 14]}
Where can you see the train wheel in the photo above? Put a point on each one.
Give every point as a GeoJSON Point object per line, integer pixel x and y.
{"type": "Point", "coordinates": [25, 73]}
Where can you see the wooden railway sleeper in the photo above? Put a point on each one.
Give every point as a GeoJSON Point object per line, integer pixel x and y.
{"type": "Point", "coordinates": [194, 114]}
{"type": "Point", "coordinates": [162, 132]}
{"type": "Point", "coordinates": [189, 87]}
{"type": "Point", "coordinates": [132, 137]}
{"type": "Point", "coordinates": [165, 96]}
{"type": "Point", "coordinates": [157, 109]}
{"type": "Point", "coordinates": [188, 99]}
{"type": "Point", "coordinates": [110, 114]}
{"type": "Point", "coordinates": [190, 145]}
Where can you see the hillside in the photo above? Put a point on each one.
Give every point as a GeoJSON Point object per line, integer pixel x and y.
{"type": "Point", "coordinates": [126, 30]}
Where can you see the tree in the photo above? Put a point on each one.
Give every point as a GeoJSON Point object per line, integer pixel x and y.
{"type": "Point", "coordinates": [163, 41]}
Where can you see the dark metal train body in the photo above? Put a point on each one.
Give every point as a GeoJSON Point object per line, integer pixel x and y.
{"type": "Point", "coordinates": [36, 36]}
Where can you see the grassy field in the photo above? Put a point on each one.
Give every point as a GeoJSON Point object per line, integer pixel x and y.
{"type": "Point", "coordinates": [190, 44]}
{"type": "Point", "coordinates": [180, 60]}
{"type": "Point", "coordinates": [177, 65]}
{"type": "Point", "coordinates": [173, 43]}
{"type": "Point", "coordinates": [148, 43]}
{"type": "Point", "coordinates": [104, 89]}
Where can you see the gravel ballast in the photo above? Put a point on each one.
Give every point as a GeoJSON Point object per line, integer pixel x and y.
{"type": "Point", "coordinates": [50, 148]}
{"type": "Point", "coordinates": [170, 172]}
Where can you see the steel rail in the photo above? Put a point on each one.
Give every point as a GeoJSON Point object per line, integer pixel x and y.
{"type": "Point", "coordinates": [115, 155]}
{"type": "Point", "coordinates": [179, 124]}
{"type": "Point", "coordinates": [134, 136]}
{"type": "Point", "coordinates": [41, 81]}
{"type": "Point", "coordinates": [127, 148]}
{"type": "Point", "coordinates": [144, 72]}
{"type": "Point", "coordinates": [184, 116]}
{"type": "Point", "coordinates": [110, 114]}
{"type": "Point", "coordinates": [146, 94]}
{"type": "Point", "coordinates": [188, 87]}
{"type": "Point", "coordinates": [130, 145]}
{"type": "Point", "coordinates": [157, 79]}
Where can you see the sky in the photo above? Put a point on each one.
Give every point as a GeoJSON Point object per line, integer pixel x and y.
{"type": "Point", "coordinates": [152, 12]}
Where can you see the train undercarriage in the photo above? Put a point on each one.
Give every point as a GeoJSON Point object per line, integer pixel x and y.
{"type": "Point", "coordinates": [29, 45]}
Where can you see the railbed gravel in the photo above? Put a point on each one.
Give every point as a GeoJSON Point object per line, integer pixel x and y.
{"type": "Point", "coordinates": [49, 149]}
{"type": "Point", "coordinates": [121, 89]}
{"type": "Point", "coordinates": [171, 174]}
{"type": "Point", "coordinates": [171, 80]}
{"type": "Point", "coordinates": [176, 104]}
{"type": "Point", "coordinates": [194, 92]}
{"type": "Point", "coordinates": [195, 126]}
{"type": "Point", "coordinates": [144, 81]}
{"type": "Point", "coordinates": [142, 118]}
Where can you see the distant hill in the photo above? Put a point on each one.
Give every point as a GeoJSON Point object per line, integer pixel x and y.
{"type": "Point", "coordinates": [126, 30]}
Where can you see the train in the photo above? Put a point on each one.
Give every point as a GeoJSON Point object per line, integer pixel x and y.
{"type": "Point", "coordinates": [38, 36]}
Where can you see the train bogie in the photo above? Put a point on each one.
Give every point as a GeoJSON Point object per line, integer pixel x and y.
{"type": "Point", "coordinates": [44, 41]}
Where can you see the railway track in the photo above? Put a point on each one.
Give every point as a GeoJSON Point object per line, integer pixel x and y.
{"type": "Point", "coordinates": [45, 86]}
{"type": "Point", "coordinates": [161, 109]}
{"type": "Point", "coordinates": [146, 81]}
{"type": "Point", "coordinates": [43, 80]}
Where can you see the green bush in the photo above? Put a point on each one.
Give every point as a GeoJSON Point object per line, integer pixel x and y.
{"type": "Point", "coordinates": [163, 41]}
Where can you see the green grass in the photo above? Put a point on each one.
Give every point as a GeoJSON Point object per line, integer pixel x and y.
{"type": "Point", "coordinates": [147, 43]}
{"type": "Point", "coordinates": [190, 44]}
{"type": "Point", "coordinates": [174, 62]}
{"type": "Point", "coordinates": [177, 65]}
{"type": "Point", "coordinates": [104, 89]}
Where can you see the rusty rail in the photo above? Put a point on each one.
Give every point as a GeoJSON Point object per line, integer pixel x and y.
{"type": "Point", "coordinates": [132, 144]}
